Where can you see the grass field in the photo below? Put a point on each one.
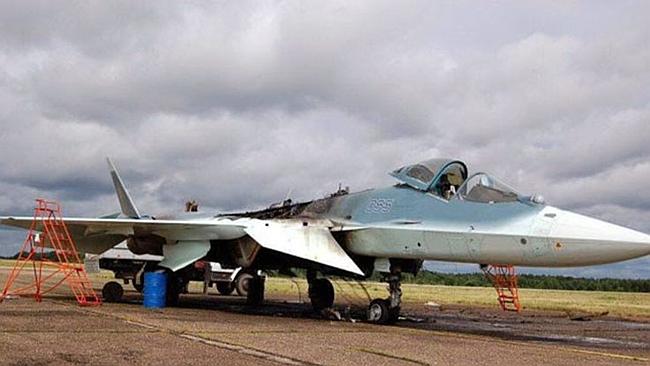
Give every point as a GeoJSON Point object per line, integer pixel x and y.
{"type": "Point", "coordinates": [7, 262]}
{"type": "Point", "coordinates": [616, 303]}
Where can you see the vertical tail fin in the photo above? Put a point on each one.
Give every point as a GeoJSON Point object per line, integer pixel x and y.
{"type": "Point", "coordinates": [126, 203]}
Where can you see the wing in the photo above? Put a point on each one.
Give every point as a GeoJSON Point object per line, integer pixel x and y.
{"type": "Point", "coordinates": [189, 240]}
{"type": "Point", "coordinates": [96, 235]}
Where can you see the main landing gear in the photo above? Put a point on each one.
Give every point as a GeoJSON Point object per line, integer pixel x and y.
{"type": "Point", "coordinates": [321, 292]}
{"type": "Point", "coordinates": [176, 285]}
{"type": "Point", "coordinates": [380, 311]}
{"type": "Point", "coordinates": [386, 311]}
{"type": "Point", "coordinates": [255, 288]}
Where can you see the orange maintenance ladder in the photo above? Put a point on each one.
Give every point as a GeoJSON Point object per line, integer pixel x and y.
{"type": "Point", "coordinates": [504, 280]}
{"type": "Point", "coordinates": [53, 235]}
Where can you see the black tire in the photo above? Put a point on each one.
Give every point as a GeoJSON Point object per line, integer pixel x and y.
{"type": "Point", "coordinates": [112, 292]}
{"type": "Point", "coordinates": [242, 282]}
{"type": "Point", "coordinates": [175, 286]}
{"type": "Point", "coordinates": [321, 294]}
{"type": "Point", "coordinates": [225, 288]}
{"type": "Point", "coordinates": [255, 294]}
{"type": "Point", "coordinates": [379, 311]}
{"type": "Point", "coordinates": [393, 314]}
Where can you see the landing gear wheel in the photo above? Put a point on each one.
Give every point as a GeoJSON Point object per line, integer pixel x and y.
{"type": "Point", "coordinates": [386, 311]}
{"type": "Point", "coordinates": [255, 295]}
{"type": "Point", "coordinates": [393, 315]}
{"type": "Point", "coordinates": [112, 292]}
{"type": "Point", "coordinates": [321, 294]}
{"type": "Point", "coordinates": [378, 311]}
{"type": "Point", "coordinates": [225, 288]}
{"type": "Point", "coordinates": [242, 283]}
{"type": "Point", "coordinates": [175, 286]}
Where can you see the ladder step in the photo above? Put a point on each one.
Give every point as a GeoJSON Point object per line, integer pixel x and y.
{"type": "Point", "coordinates": [504, 280]}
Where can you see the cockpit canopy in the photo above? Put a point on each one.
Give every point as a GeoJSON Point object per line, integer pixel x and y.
{"type": "Point", "coordinates": [436, 175]}
{"type": "Point", "coordinates": [483, 188]}
{"type": "Point", "coordinates": [448, 179]}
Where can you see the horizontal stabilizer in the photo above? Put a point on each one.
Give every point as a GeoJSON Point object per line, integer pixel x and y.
{"type": "Point", "coordinates": [307, 242]}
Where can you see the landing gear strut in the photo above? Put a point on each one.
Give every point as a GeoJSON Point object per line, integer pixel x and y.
{"type": "Point", "coordinates": [175, 286]}
{"type": "Point", "coordinates": [386, 311]}
{"type": "Point", "coordinates": [321, 292]}
{"type": "Point", "coordinates": [255, 295]}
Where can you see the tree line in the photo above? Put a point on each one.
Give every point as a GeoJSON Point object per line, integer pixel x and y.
{"type": "Point", "coordinates": [533, 281]}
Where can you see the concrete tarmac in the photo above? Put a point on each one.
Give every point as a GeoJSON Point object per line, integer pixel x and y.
{"type": "Point", "coordinates": [223, 330]}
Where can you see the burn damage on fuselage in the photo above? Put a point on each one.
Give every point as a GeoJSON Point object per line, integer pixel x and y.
{"type": "Point", "coordinates": [245, 252]}
{"type": "Point", "coordinates": [315, 209]}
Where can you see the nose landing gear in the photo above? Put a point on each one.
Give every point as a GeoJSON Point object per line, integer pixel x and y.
{"type": "Point", "coordinates": [386, 311]}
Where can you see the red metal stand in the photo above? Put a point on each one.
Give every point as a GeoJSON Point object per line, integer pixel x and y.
{"type": "Point", "coordinates": [504, 280]}
{"type": "Point", "coordinates": [53, 235]}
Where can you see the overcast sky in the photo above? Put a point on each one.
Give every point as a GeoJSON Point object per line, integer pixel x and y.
{"type": "Point", "coordinates": [236, 103]}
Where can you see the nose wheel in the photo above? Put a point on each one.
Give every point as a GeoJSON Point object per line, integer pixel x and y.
{"type": "Point", "coordinates": [386, 311]}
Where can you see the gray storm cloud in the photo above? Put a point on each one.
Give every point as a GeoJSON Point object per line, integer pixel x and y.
{"type": "Point", "coordinates": [235, 104]}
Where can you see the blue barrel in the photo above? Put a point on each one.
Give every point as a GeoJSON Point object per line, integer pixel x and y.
{"type": "Point", "coordinates": [155, 290]}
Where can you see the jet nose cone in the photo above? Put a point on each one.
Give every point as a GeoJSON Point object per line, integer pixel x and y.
{"type": "Point", "coordinates": [591, 241]}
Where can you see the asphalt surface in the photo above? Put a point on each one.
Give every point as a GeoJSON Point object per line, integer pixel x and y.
{"type": "Point", "coordinates": [223, 330]}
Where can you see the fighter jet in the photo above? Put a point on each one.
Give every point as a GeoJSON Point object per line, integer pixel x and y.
{"type": "Point", "coordinates": [435, 211]}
